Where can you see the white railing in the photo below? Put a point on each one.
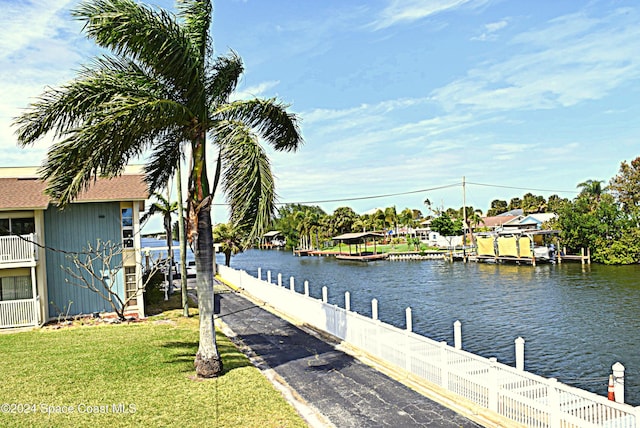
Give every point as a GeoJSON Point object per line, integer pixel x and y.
{"type": "Point", "coordinates": [18, 249]}
{"type": "Point", "coordinates": [19, 313]}
{"type": "Point", "coordinates": [523, 397]}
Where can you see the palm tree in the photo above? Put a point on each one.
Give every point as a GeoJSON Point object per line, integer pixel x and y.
{"type": "Point", "coordinates": [165, 207]}
{"type": "Point", "coordinates": [230, 240]}
{"type": "Point", "coordinates": [591, 189]}
{"type": "Point", "coordinates": [162, 88]}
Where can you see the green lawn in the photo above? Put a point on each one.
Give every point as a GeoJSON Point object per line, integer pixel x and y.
{"type": "Point", "coordinates": [146, 369]}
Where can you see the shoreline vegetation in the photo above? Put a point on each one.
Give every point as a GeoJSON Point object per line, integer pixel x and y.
{"type": "Point", "coordinates": [130, 375]}
{"type": "Point", "coordinates": [603, 219]}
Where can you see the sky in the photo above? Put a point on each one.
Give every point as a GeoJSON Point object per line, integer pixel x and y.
{"type": "Point", "coordinates": [399, 100]}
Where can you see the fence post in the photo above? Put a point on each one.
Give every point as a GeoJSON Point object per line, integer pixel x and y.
{"type": "Point", "coordinates": [374, 309]}
{"type": "Point", "coordinates": [292, 286]}
{"type": "Point", "coordinates": [259, 274]}
{"type": "Point", "coordinates": [347, 301]}
{"type": "Point", "coordinates": [457, 334]}
{"type": "Point", "coordinates": [618, 382]}
{"type": "Point", "coordinates": [494, 386]}
{"type": "Point", "coordinates": [306, 288]}
{"type": "Point", "coordinates": [408, 353]}
{"type": "Point", "coordinates": [444, 366]}
{"type": "Point", "coordinates": [554, 403]}
{"type": "Point", "coordinates": [279, 280]}
{"type": "Point", "coordinates": [325, 293]}
{"type": "Point", "coordinates": [269, 276]}
{"type": "Point", "coordinates": [520, 353]}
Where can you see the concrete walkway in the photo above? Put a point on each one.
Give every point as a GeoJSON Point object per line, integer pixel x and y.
{"type": "Point", "coordinates": [327, 386]}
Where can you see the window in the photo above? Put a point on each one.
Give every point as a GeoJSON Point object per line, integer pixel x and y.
{"type": "Point", "coordinates": [131, 285]}
{"type": "Point", "coordinates": [127, 227]}
{"type": "Point", "coordinates": [17, 226]}
{"type": "Point", "coordinates": [15, 288]}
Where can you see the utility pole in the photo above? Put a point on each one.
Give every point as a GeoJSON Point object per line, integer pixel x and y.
{"type": "Point", "coordinates": [183, 244]}
{"type": "Point", "coordinates": [464, 217]}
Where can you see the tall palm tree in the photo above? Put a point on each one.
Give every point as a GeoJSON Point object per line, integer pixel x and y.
{"type": "Point", "coordinates": [166, 208]}
{"type": "Point", "coordinates": [162, 88]}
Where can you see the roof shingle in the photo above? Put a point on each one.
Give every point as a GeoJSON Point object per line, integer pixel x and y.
{"type": "Point", "coordinates": [27, 193]}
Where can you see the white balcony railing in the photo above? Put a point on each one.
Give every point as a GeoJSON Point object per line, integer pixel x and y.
{"type": "Point", "coordinates": [18, 249]}
{"type": "Point", "coordinates": [19, 313]}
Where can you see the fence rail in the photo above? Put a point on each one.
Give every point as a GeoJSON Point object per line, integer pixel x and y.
{"type": "Point", "coordinates": [523, 397]}
{"type": "Point", "coordinates": [18, 249]}
{"type": "Point", "coordinates": [19, 313]}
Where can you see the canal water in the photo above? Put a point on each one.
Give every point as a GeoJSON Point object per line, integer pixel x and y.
{"type": "Point", "coordinates": [577, 321]}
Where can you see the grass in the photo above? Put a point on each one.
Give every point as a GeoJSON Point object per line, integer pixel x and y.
{"type": "Point", "coordinates": [144, 368]}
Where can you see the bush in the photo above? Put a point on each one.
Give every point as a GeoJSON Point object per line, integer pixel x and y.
{"type": "Point", "coordinates": [153, 293]}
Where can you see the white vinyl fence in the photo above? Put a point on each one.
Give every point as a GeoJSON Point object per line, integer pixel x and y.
{"type": "Point", "coordinates": [523, 397]}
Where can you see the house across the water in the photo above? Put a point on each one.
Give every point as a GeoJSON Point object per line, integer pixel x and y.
{"type": "Point", "coordinates": [36, 238]}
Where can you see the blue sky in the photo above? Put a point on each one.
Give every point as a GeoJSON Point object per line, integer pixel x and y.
{"type": "Point", "coordinates": [398, 96]}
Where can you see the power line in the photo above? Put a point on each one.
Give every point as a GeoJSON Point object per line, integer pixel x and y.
{"type": "Point", "coordinates": [523, 188]}
{"type": "Point", "coordinates": [360, 198]}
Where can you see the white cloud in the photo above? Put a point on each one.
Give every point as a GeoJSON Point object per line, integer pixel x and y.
{"type": "Point", "coordinates": [573, 59]}
{"type": "Point", "coordinates": [403, 11]}
{"type": "Point", "coordinates": [490, 30]}
{"type": "Point", "coordinates": [257, 91]}
{"type": "Point", "coordinates": [39, 47]}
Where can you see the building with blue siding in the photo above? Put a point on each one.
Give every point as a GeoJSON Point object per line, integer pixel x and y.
{"type": "Point", "coordinates": [37, 241]}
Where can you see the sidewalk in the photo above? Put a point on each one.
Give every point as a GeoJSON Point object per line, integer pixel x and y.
{"type": "Point", "coordinates": [329, 387]}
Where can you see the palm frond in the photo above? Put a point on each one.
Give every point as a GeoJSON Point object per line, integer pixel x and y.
{"type": "Point", "coordinates": [227, 70]}
{"type": "Point", "coordinates": [268, 117]}
{"type": "Point", "coordinates": [150, 36]}
{"type": "Point", "coordinates": [106, 141]}
{"type": "Point", "coordinates": [246, 178]}
{"type": "Point", "coordinates": [163, 161]}
{"type": "Point", "coordinates": [197, 15]}
{"type": "Point", "coordinates": [63, 109]}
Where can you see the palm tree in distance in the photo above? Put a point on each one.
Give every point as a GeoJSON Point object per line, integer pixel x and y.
{"type": "Point", "coordinates": [592, 189]}
{"type": "Point", "coordinates": [166, 208]}
{"type": "Point", "coordinates": [230, 240]}
{"type": "Point", "coordinates": [162, 88]}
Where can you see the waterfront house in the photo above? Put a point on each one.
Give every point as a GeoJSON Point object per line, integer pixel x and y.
{"type": "Point", "coordinates": [530, 221]}
{"type": "Point", "coordinates": [36, 237]}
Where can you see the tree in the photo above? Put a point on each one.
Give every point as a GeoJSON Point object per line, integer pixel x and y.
{"type": "Point", "coordinates": [409, 218]}
{"type": "Point", "coordinates": [446, 226]}
{"type": "Point", "coordinates": [585, 225]}
{"type": "Point", "coordinates": [533, 203]}
{"type": "Point", "coordinates": [473, 218]}
{"type": "Point", "coordinates": [230, 240]}
{"type": "Point", "coordinates": [161, 88]}
{"type": "Point", "coordinates": [498, 207]}
{"type": "Point", "coordinates": [96, 269]}
{"type": "Point", "coordinates": [554, 203]}
{"type": "Point", "coordinates": [165, 207]}
{"type": "Point", "coordinates": [299, 222]}
{"type": "Point", "coordinates": [625, 186]}
{"type": "Point", "coordinates": [514, 204]}
{"type": "Point", "coordinates": [592, 190]}
{"type": "Point", "coordinates": [342, 220]}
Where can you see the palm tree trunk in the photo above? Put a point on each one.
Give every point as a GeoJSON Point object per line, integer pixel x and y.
{"type": "Point", "coordinates": [208, 362]}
